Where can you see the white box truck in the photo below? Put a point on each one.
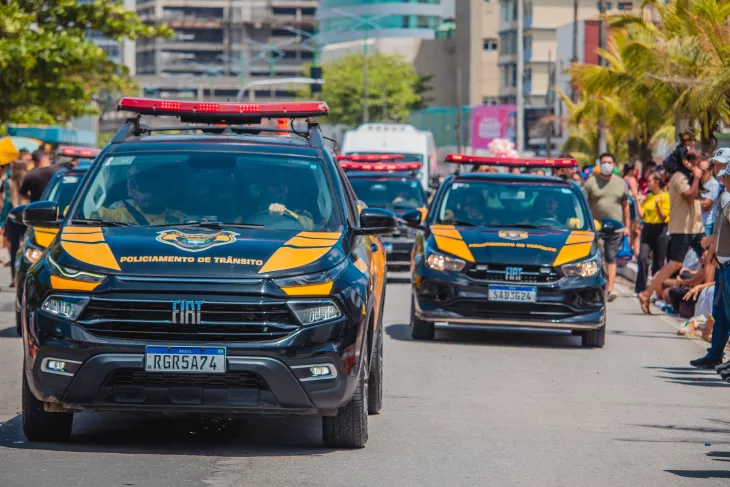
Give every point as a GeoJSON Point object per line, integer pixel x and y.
{"type": "Point", "coordinates": [395, 138]}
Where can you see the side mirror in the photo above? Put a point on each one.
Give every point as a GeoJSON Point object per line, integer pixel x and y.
{"type": "Point", "coordinates": [42, 214]}
{"type": "Point", "coordinates": [16, 214]}
{"type": "Point", "coordinates": [412, 218]}
{"type": "Point", "coordinates": [377, 221]}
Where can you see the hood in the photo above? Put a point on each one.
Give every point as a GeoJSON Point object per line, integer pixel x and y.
{"type": "Point", "coordinates": [513, 246]}
{"type": "Point", "coordinates": [198, 252]}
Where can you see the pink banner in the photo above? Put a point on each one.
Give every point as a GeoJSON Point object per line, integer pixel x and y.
{"type": "Point", "coordinates": [492, 122]}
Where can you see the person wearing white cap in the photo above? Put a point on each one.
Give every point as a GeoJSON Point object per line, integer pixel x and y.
{"type": "Point", "coordinates": [721, 302]}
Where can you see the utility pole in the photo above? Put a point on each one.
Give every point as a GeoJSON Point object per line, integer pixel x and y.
{"type": "Point", "coordinates": [602, 144]}
{"type": "Point", "coordinates": [549, 99]}
{"type": "Point", "coordinates": [520, 115]}
{"type": "Point", "coordinates": [229, 47]}
{"type": "Point", "coordinates": [574, 59]}
{"type": "Point", "coordinates": [365, 107]}
{"type": "Point", "coordinates": [459, 105]}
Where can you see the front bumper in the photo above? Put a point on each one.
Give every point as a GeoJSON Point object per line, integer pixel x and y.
{"type": "Point", "coordinates": [568, 304]}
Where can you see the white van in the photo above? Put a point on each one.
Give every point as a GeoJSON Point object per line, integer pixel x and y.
{"type": "Point", "coordinates": [394, 138]}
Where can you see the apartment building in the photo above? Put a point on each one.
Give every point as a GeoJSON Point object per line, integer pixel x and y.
{"type": "Point", "coordinates": [221, 45]}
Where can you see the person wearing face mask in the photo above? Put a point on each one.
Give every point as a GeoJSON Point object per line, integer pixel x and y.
{"type": "Point", "coordinates": [606, 195]}
{"type": "Point", "coordinates": [685, 224]}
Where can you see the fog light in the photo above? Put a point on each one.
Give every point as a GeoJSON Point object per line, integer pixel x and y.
{"type": "Point", "coordinates": [315, 372]}
{"type": "Point", "coordinates": [60, 366]}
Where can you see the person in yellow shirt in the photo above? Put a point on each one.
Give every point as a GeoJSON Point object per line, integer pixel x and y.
{"type": "Point", "coordinates": [146, 204]}
{"type": "Point", "coordinates": [654, 238]}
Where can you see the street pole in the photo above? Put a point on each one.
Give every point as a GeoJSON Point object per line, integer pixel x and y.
{"type": "Point", "coordinates": [520, 115]}
{"type": "Point", "coordinates": [574, 60]}
{"type": "Point", "coordinates": [459, 105]}
{"type": "Point", "coordinates": [549, 100]}
{"type": "Point", "coordinates": [229, 47]}
{"type": "Point", "coordinates": [602, 144]}
{"type": "Point", "coordinates": [365, 107]}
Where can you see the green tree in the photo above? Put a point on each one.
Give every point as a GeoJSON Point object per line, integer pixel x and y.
{"type": "Point", "coordinates": [49, 70]}
{"type": "Point", "coordinates": [391, 82]}
{"type": "Point", "coordinates": [677, 69]}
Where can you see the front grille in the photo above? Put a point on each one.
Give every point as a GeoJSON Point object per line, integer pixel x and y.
{"type": "Point", "coordinates": [229, 380]}
{"type": "Point", "coordinates": [489, 309]}
{"type": "Point", "coordinates": [497, 273]}
{"type": "Point", "coordinates": [219, 321]}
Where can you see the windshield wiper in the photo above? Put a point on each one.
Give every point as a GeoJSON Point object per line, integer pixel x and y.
{"type": "Point", "coordinates": [213, 224]}
{"type": "Point", "coordinates": [100, 222]}
{"type": "Point", "coordinates": [460, 222]}
{"type": "Point", "coordinates": [527, 225]}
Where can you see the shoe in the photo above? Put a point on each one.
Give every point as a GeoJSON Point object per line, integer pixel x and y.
{"type": "Point", "coordinates": [722, 367]}
{"type": "Point", "coordinates": [705, 362]}
{"type": "Point", "coordinates": [611, 296]}
{"type": "Point", "coordinates": [725, 374]}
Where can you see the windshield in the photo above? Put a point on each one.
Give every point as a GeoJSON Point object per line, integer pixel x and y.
{"type": "Point", "coordinates": [64, 189]}
{"type": "Point", "coordinates": [167, 188]}
{"type": "Point", "coordinates": [389, 193]}
{"type": "Point", "coordinates": [512, 204]}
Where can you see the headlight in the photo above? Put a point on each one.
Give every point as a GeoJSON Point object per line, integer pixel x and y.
{"type": "Point", "coordinates": [32, 254]}
{"type": "Point", "coordinates": [440, 262]}
{"type": "Point", "coordinates": [60, 271]}
{"type": "Point", "coordinates": [584, 268]}
{"type": "Point", "coordinates": [311, 313]}
{"type": "Point", "coordinates": [68, 307]}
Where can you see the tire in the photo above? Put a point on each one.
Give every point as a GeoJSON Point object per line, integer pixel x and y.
{"type": "Point", "coordinates": [40, 425]}
{"type": "Point", "coordinates": [594, 338]}
{"type": "Point", "coordinates": [375, 382]}
{"type": "Point", "coordinates": [349, 428]}
{"type": "Point", "coordinates": [421, 330]}
{"type": "Point", "coordinates": [19, 323]}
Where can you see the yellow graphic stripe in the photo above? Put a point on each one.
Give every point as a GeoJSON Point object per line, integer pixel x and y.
{"type": "Point", "coordinates": [300, 250]}
{"type": "Point", "coordinates": [98, 254]}
{"type": "Point", "coordinates": [309, 290]}
{"type": "Point", "coordinates": [362, 266]}
{"type": "Point", "coordinates": [424, 212]}
{"type": "Point", "coordinates": [74, 230]}
{"type": "Point", "coordinates": [83, 237]}
{"type": "Point", "coordinates": [63, 284]}
{"type": "Point", "coordinates": [311, 242]}
{"type": "Point", "coordinates": [580, 237]}
{"type": "Point", "coordinates": [449, 240]}
{"type": "Point", "coordinates": [569, 253]}
{"type": "Point", "coordinates": [44, 236]}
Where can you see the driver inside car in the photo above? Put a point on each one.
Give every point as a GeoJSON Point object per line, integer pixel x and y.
{"type": "Point", "coordinates": [546, 208]}
{"type": "Point", "coordinates": [146, 204]}
{"type": "Point", "coordinates": [274, 198]}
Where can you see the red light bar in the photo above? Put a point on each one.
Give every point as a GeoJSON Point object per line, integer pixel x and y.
{"type": "Point", "coordinates": [248, 112]}
{"type": "Point", "coordinates": [502, 161]}
{"type": "Point", "coordinates": [394, 166]}
{"type": "Point", "coordinates": [71, 151]}
{"type": "Point", "coordinates": [369, 157]}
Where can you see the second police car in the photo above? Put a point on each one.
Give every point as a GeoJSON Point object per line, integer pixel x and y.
{"type": "Point", "coordinates": [74, 162]}
{"type": "Point", "coordinates": [387, 181]}
{"type": "Point", "coordinates": [220, 270]}
{"type": "Point", "coordinates": [508, 250]}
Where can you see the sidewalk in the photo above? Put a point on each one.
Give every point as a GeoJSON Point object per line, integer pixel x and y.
{"type": "Point", "coordinates": [5, 273]}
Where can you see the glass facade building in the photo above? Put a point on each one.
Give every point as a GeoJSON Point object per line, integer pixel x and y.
{"type": "Point", "coordinates": [346, 20]}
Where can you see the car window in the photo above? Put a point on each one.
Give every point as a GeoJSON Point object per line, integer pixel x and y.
{"type": "Point", "coordinates": [63, 189]}
{"type": "Point", "coordinates": [227, 187]}
{"type": "Point", "coordinates": [506, 204]}
{"type": "Point", "coordinates": [389, 193]}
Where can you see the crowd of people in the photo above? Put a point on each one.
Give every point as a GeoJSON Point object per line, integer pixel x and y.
{"type": "Point", "coordinates": [22, 181]}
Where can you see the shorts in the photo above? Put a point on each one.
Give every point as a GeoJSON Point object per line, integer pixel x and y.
{"type": "Point", "coordinates": [680, 243]}
{"type": "Point", "coordinates": [611, 246]}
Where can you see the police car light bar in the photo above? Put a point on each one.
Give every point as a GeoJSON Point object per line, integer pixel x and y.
{"type": "Point", "coordinates": [502, 161]}
{"type": "Point", "coordinates": [71, 151]}
{"type": "Point", "coordinates": [379, 166]}
{"type": "Point", "coordinates": [222, 111]}
{"type": "Point", "coordinates": [369, 157]}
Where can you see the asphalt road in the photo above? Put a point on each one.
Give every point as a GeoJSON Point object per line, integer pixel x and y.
{"type": "Point", "coordinates": [472, 408]}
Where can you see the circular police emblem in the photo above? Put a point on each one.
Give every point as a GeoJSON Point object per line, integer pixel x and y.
{"type": "Point", "coordinates": [195, 242]}
{"type": "Point", "coordinates": [512, 235]}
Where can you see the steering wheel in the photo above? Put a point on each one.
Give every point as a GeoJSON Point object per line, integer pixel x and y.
{"type": "Point", "coordinates": [547, 221]}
